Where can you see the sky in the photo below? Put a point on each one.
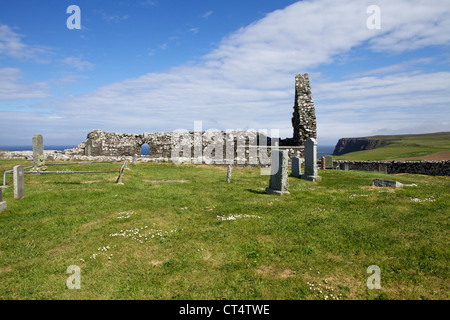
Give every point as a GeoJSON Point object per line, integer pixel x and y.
{"type": "Point", "coordinates": [376, 67]}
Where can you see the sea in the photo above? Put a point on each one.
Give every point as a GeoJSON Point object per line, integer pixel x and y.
{"type": "Point", "coordinates": [322, 151]}
{"type": "Point", "coordinates": [30, 147]}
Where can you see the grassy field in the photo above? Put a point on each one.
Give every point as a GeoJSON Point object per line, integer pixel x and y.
{"type": "Point", "coordinates": [206, 239]}
{"type": "Point", "coordinates": [403, 146]}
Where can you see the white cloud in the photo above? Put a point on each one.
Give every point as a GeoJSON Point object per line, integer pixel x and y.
{"type": "Point", "coordinates": [207, 14]}
{"type": "Point", "coordinates": [11, 89]}
{"type": "Point", "coordinates": [248, 80]}
{"type": "Point", "coordinates": [11, 45]}
{"type": "Point", "coordinates": [413, 26]}
{"type": "Point", "coordinates": [78, 64]}
{"type": "Point", "coordinates": [193, 30]}
{"type": "Point", "coordinates": [163, 46]}
{"type": "Point", "coordinates": [388, 104]}
{"type": "Point", "coordinates": [112, 18]}
{"type": "Point", "coordinates": [399, 67]}
{"type": "Point", "coordinates": [148, 3]}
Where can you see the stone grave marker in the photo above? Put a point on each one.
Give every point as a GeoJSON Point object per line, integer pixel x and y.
{"type": "Point", "coordinates": [279, 173]}
{"type": "Point", "coordinates": [38, 151]}
{"type": "Point", "coordinates": [329, 162]}
{"type": "Point", "coordinates": [386, 183]}
{"type": "Point", "coordinates": [19, 182]}
{"type": "Point", "coordinates": [296, 167]}
{"type": "Point", "coordinates": [322, 163]}
{"type": "Point", "coordinates": [311, 172]}
{"type": "Point", "coordinates": [2, 203]}
{"type": "Point", "coordinates": [229, 174]}
{"type": "Point", "coordinates": [88, 148]}
{"type": "Point", "coordinates": [346, 166]}
{"type": "Point", "coordinates": [390, 183]}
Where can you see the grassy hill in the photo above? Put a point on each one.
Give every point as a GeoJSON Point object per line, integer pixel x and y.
{"type": "Point", "coordinates": [206, 239]}
{"type": "Point", "coordinates": [403, 146]}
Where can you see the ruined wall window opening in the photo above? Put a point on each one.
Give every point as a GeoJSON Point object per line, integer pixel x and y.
{"type": "Point", "coordinates": [145, 149]}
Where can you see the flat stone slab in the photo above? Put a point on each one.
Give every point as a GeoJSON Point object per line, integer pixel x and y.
{"type": "Point", "coordinates": [165, 181]}
{"type": "Point", "coordinates": [277, 192]}
{"type": "Point", "coordinates": [390, 183]}
{"type": "Point", "coordinates": [2, 206]}
{"type": "Point", "coordinates": [386, 183]}
{"type": "Point", "coordinates": [311, 178]}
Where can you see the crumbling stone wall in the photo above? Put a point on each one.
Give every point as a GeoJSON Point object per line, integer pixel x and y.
{"type": "Point", "coordinates": [103, 143]}
{"type": "Point", "coordinates": [304, 116]}
{"type": "Point", "coordinates": [244, 147]}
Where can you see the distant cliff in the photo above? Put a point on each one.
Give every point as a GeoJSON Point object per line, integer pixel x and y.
{"type": "Point", "coordinates": [346, 145]}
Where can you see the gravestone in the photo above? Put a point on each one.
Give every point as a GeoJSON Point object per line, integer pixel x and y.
{"type": "Point", "coordinates": [343, 166]}
{"type": "Point", "coordinates": [322, 163]}
{"type": "Point", "coordinates": [228, 174]}
{"type": "Point", "coordinates": [3, 206]}
{"type": "Point", "coordinates": [329, 162]}
{"type": "Point", "coordinates": [382, 168]}
{"type": "Point", "coordinates": [38, 151]}
{"type": "Point", "coordinates": [311, 161]}
{"type": "Point", "coordinates": [279, 173]}
{"type": "Point", "coordinates": [134, 159]}
{"type": "Point", "coordinates": [88, 148]}
{"type": "Point", "coordinates": [2, 203]}
{"type": "Point", "coordinates": [19, 182]}
{"type": "Point", "coordinates": [296, 167]}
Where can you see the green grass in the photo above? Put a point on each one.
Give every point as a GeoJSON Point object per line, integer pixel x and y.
{"type": "Point", "coordinates": [403, 146]}
{"type": "Point", "coordinates": [325, 233]}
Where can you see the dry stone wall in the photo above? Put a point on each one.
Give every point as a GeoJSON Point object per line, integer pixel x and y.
{"type": "Point", "coordinates": [439, 168]}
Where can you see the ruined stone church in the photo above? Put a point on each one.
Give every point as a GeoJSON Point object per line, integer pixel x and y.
{"type": "Point", "coordinates": [102, 143]}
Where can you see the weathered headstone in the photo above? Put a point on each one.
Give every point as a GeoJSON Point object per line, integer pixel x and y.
{"type": "Point", "coordinates": [2, 203]}
{"type": "Point", "coordinates": [19, 182]}
{"type": "Point", "coordinates": [38, 151]}
{"type": "Point", "coordinates": [322, 163]}
{"type": "Point", "coordinates": [279, 173]}
{"type": "Point", "coordinates": [311, 172]}
{"type": "Point", "coordinates": [296, 167]}
{"type": "Point", "coordinates": [382, 168]}
{"type": "Point", "coordinates": [88, 147]}
{"type": "Point", "coordinates": [329, 162]}
{"type": "Point", "coordinates": [229, 174]}
{"type": "Point", "coordinates": [3, 206]}
{"type": "Point", "coordinates": [134, 159]}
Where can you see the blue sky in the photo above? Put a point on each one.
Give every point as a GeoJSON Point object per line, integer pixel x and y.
{"type": "Point", "coordinates": [150, 66]}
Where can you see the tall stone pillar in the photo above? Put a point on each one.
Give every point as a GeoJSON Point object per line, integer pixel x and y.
{"type": "Point", "coordinates": [304, 116]}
